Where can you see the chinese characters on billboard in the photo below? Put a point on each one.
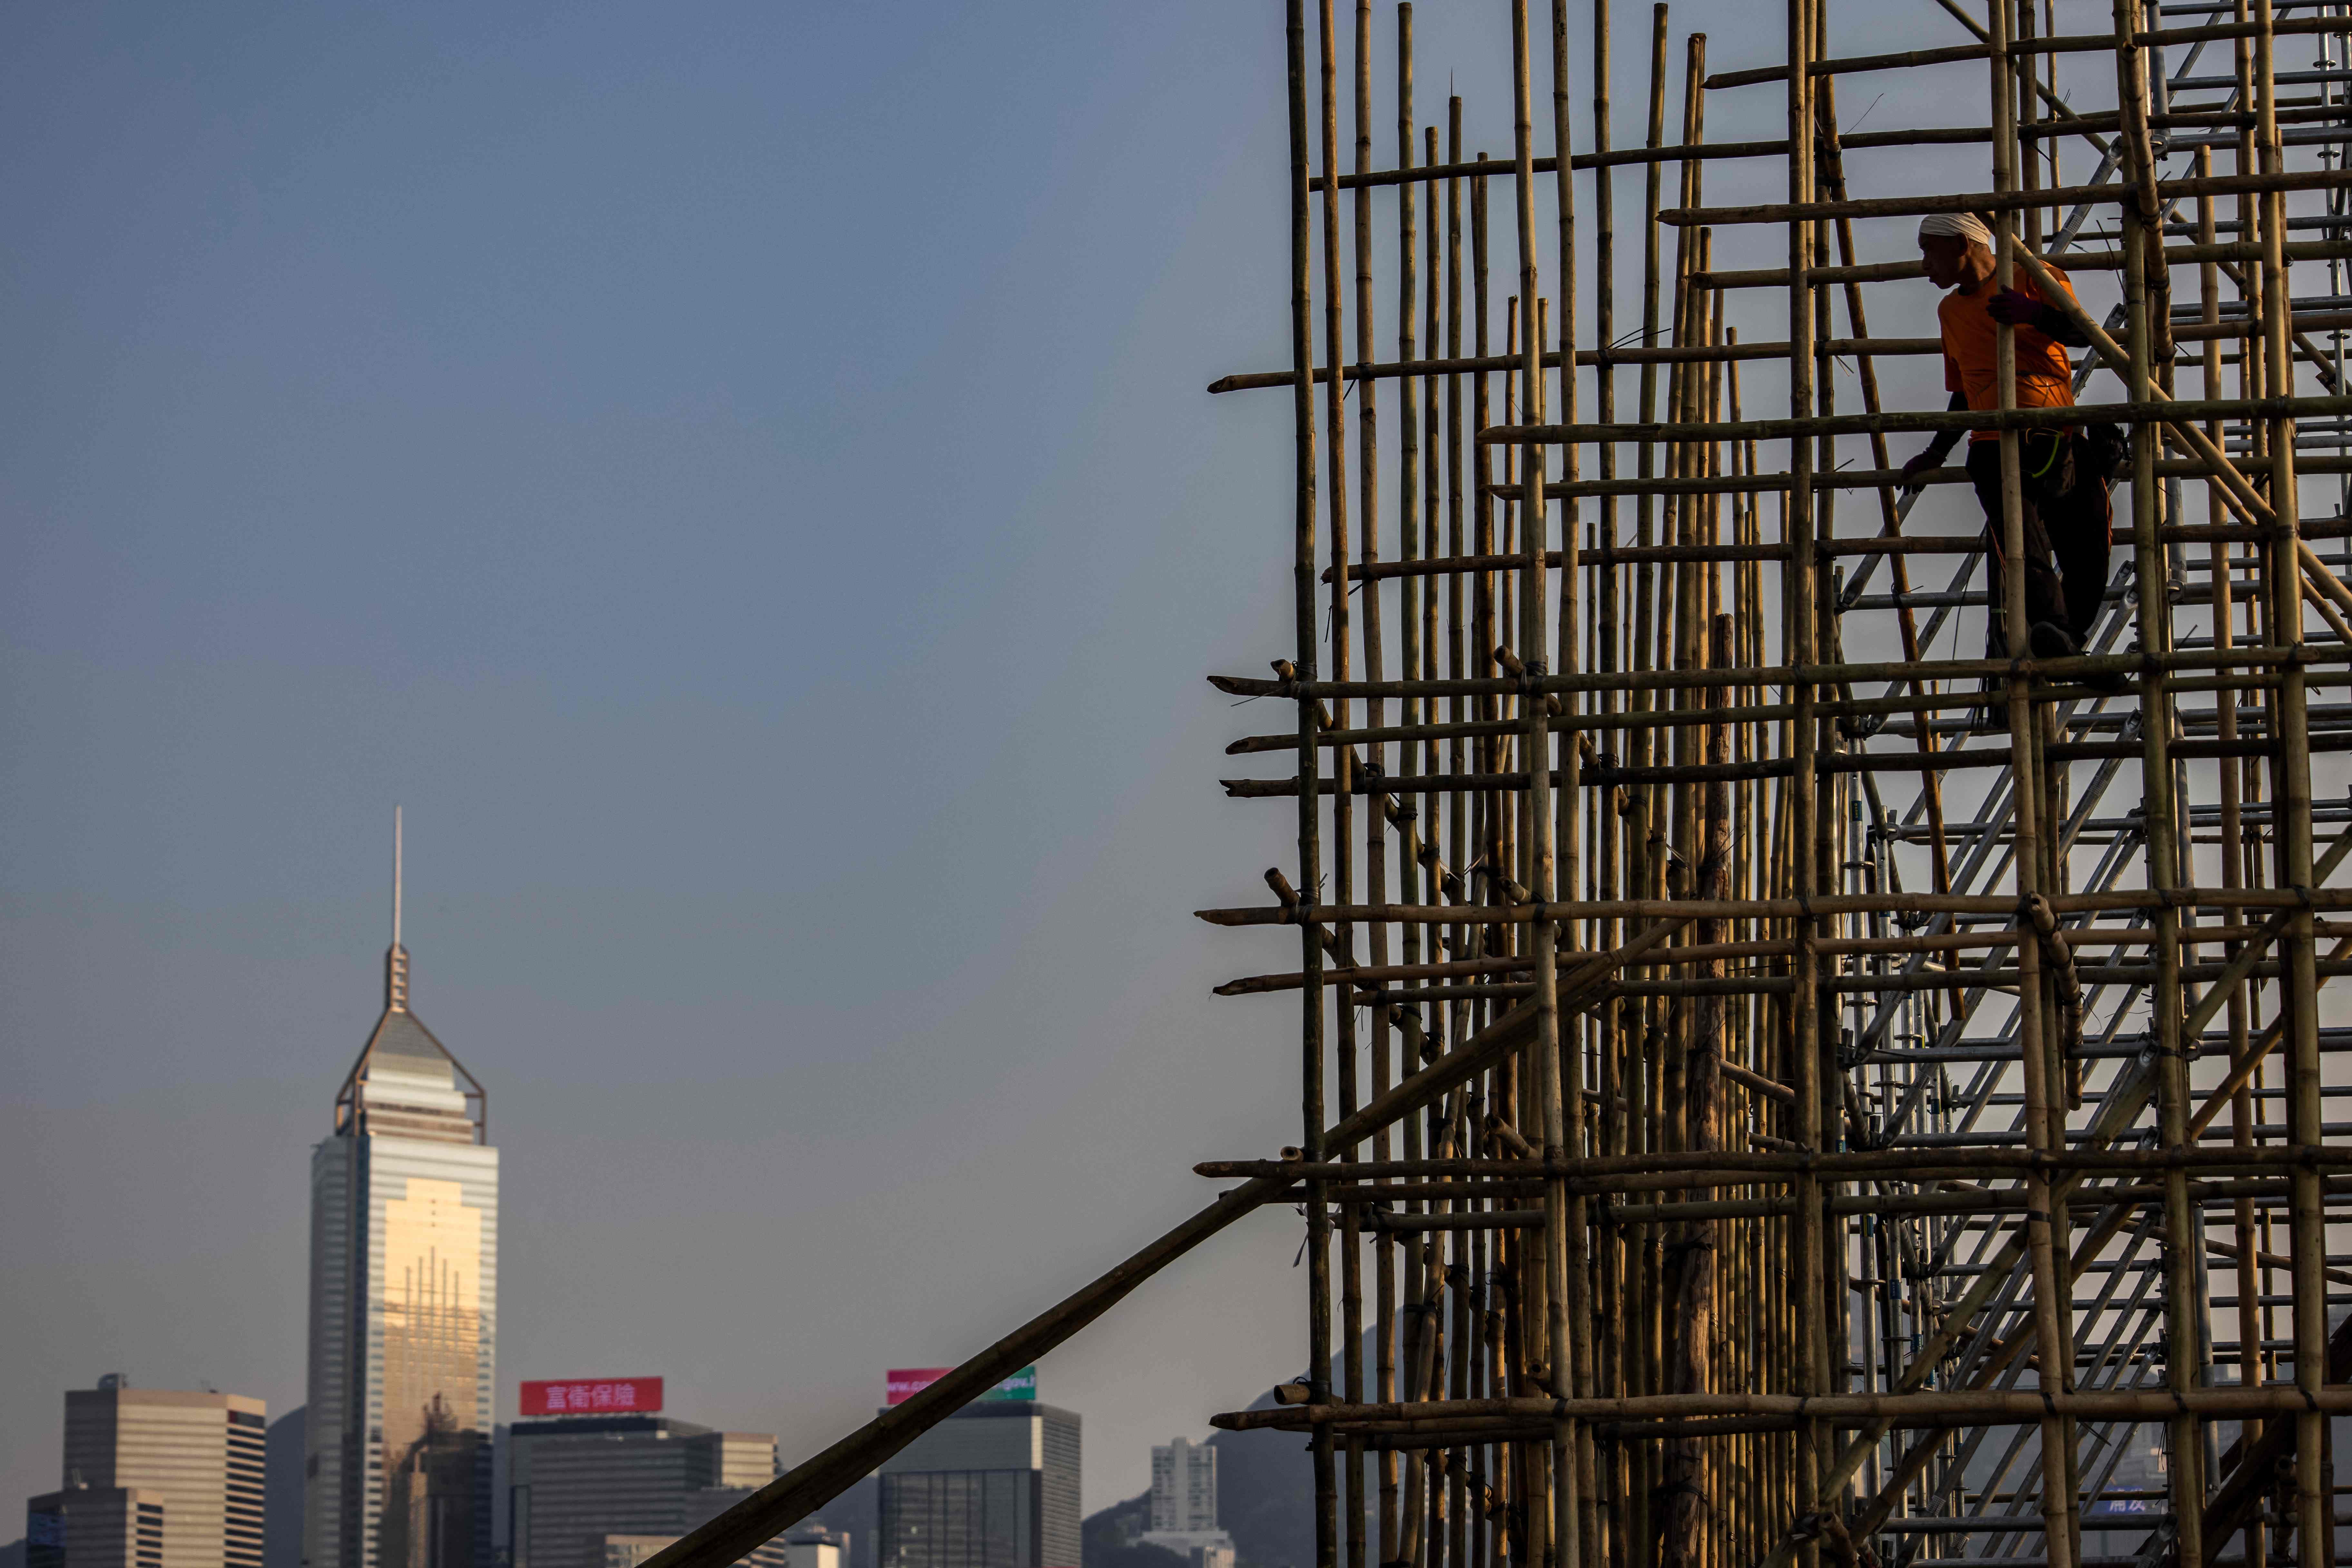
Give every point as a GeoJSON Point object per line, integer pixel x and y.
{"type": "Point", "coordinates": [593, 1396]}
{"type": "Point", "coordinates": [905, 1382]}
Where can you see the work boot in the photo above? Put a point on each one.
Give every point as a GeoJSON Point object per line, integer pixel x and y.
{"type": "Point", "coordinates": [2048, 639]}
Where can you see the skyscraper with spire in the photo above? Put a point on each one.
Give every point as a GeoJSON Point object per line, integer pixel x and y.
{"type": "Point", "coordinates": [404, 1303]}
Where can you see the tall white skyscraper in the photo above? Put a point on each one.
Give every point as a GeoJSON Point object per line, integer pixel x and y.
{"type": "Point", "coordinates": [1183, 1486]}
{"type": "Point", "coordinates": [404, 1303]}
{"type": "Point", "coordinates": [1184, 1504]}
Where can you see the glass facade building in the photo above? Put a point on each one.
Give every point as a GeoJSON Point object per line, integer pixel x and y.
{"type": "Point", "coordinates": [582, 1489]}
{"type": "Point", "coordinates": [404, 1308]}
{"type": "Point", "coordinates": [993, 1485]}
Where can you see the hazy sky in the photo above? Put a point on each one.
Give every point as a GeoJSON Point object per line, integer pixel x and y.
{"type": "Point", "coordinates": [739, 475]}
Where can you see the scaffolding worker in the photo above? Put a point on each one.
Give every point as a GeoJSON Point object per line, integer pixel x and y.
{"type": "Point", "coordinates": [2064, 477]}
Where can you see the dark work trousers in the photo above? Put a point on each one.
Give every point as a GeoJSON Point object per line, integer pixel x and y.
{"type": "Point", "coordinates": [2077, 530]}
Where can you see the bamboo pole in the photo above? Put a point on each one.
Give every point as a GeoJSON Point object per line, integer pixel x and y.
{"type": "Point", "coordinates": [1310, 879]}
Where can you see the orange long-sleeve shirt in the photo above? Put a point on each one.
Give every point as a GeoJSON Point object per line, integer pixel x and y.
{"type": "Point", "coordinates": [2046, 376]}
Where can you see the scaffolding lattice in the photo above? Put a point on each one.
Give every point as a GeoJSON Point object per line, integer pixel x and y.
{"type": "Point", "coordinates": [1740, 1145]}
{"type": "Point", "coordinates": [1760, 1100]}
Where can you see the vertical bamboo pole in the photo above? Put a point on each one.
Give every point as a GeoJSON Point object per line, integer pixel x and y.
{"type": "Point", "coordinates": [1609, 1046]}
{"type": "Point", "coordinates": [1580, 1536]}
{"type": "Point", "coordinates": [2290, 798]}
{"type": "Point", "coordinates": [1368, 523]}
{"type": "Point", "coordinates": [1349, 1458]}
{"type": "Point", "coordinates": [1409, 635]}
{"type": "Point", "coordinates": [2232, 854]}
{"type": "Point", "coordinates": [1457, 666]}
{"type": "Point", "coordinates": [1810, 1367]}
{"type": "Point", "coordinates": [2142, 237]}
{"type": "Point", "coordinates": [1303, 566]}
{"type": "Point", "coordinates": [1557, 1542]}
{"type": "Point", "coordinates": [2057, 1486]}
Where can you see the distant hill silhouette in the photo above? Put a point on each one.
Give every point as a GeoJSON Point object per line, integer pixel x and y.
{"type": "Point", "coordinates": [1109, 1540]}
{"type": "Point", "coordinates": [1266, 1494]}
{"type": "Point", "coordinates": [1265, 1500]}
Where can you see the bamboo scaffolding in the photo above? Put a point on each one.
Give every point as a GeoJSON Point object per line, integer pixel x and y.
{"type": "Point", "coordinates": [1779, 1117]}
{"type": "Point", "coordinates": [1745, 789]}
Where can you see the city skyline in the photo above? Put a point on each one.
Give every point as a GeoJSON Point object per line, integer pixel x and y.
{"type": "Point", "coordinates": [429, 1286]}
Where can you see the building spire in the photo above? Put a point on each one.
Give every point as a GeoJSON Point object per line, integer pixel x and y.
{"type": "Point", "coordinates": [396, 957]}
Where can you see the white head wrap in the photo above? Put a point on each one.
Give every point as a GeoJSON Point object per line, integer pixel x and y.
{"type": "Point", "coordinates": [1959, 226]}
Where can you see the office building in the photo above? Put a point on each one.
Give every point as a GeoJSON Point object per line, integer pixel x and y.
{"type": "Point", "coordinates": [993, 1485]}
{"type": "Point", "coordinates": [404, 1304]}
{"type": "Point", "coordinates": [1183, 1486]}
{"type": "Point", "coordinates": [170, 1477]}
{"type": "Point", "coordinates": [1184, 1504]}
{"type": "Point", "coordinates": [95, 1527]}
{"type": "Point", "coordinates": [701, 1506]}
{"type": "Point", "coordinates": [587, 1490]}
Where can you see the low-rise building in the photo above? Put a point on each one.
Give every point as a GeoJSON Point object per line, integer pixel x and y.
{"type": "Point", "coordinates": [157, 1478]}
{"type": "Point", "coordinates": [581, 1489]}
{"type": "Point", "coordinates": [95, 1527]}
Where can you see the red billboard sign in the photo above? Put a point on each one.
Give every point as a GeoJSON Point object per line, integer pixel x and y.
{"type": "Point", "coordinates": [593, 1396]}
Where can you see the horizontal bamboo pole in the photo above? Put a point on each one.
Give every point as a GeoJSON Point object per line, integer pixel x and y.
{"type": "Point", "coordinates": [1425, 1192]}
{"type": "Point", "coordinates": [1585, 723]}
{"type": "Point", "coordinates": [1979, 202]}
{"type": "Point", "coordinates": [1827, 765]}
{"type": "Point", "coordinates": [1987, 1200]}
{"type": "Point", "coordinates": [2239, 327]}
{"type": "Point", "coordinates": [1727, 1167]}
{"type": "Point", "coordinates": [1907, 59]}
{"type": "Point", "coordinates": [1893, 904]}
{"type": "Point", "coordinates": [1367, 974]}
{"type": "Point", "coordinates": [2249, 656]}
{"type": "Point", "coordinates": [2290, 111]}
{"type": "Point", "coordinates": [1850, 985]}
{"type": "Point", "coordinates": [1898, 421]}
{"type": "Point", "coordinates": [1718, 353]}
{"type": "Point", "coordinates": [1489, 1219]}
{"type": "Point", "coordinates": [2060, 44]}
{"type": "Point", "coordinates": [1826, 549]}
{"type": "Point", "coordinates": [1621, 157]}
{"type": "Point", "coordinates": [1855, 479]}
{"type": "Point", "coordinates": [1985, 1407]}
{"type": "Point", "coordinates": [1471, 364]}
{"type": "Point", "coordinates": [2075, 261]}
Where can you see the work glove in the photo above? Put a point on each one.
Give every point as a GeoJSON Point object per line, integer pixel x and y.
{"type": "Point", "coordinates": [1915, 471]}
